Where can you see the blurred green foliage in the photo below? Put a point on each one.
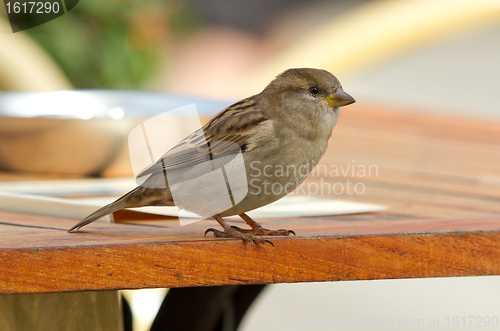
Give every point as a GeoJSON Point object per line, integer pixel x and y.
{"type": "Point", "coordinates": [115, 43]}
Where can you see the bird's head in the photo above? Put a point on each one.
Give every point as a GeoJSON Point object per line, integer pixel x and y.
{"type": "Point", "coordinates": [305, 87]}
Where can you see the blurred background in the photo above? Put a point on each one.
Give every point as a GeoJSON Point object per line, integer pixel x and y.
{"type": "Point", "coordinates": [439, 56]}
{"type": "Point", "coordinates": [428, 55]}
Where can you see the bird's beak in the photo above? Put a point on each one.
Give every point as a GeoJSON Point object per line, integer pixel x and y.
{"type": "Point", "coordinates": [339, 98]}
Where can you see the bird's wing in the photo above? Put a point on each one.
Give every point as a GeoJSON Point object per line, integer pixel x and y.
{"type": "Point", "coordinates": [223, 135]}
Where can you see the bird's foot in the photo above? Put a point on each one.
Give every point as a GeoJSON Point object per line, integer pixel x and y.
{"type": "Point", "coordinates": [265, 232]}
{"type": "Point", "coordinates": [232, 232]}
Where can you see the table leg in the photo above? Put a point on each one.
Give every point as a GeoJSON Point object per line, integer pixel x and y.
{"type": "Point", "coordinates": [205, 308]}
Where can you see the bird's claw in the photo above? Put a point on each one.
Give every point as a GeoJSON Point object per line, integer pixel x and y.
{"type": "Point", "coordinates": [233, 233]}
{"type": "Point", "coordinates": [265, 232]}
{"type": "Point", "coordinates": [268, 241]}
{"type": "Point", "coordinates": [213, 230]}
{"type": "Point", "coordinates": [281, 232]}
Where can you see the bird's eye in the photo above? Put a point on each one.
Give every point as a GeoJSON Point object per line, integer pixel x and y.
{"type": "Point", "coordinates": [313, 90]}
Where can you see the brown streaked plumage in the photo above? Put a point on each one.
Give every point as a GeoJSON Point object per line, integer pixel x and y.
{"type": "Point", "coordinates": [286, 125]}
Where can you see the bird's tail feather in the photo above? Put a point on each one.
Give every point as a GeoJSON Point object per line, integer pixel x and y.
{"type": "Point", "coordinates": [123, 202]}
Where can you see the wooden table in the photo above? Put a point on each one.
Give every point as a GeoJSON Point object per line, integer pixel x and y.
{"type": "Point", "coordinates": [441, 177]}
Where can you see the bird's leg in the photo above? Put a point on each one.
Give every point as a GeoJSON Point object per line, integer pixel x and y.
{"type": "Point", "coordinates": [257, 229]}
{"type": "Point", "coordinates": [231, 232]}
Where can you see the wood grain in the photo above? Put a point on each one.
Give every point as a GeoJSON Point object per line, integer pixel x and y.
{"type": "Point", "coordinates": [440, 175]}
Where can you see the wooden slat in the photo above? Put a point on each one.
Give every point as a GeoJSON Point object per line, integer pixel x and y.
{"type": "Point", "coordinates": [185, 262]}
{"type": "Point", "coordinates": [440, 175]}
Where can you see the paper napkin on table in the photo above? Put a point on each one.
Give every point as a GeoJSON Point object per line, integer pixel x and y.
{"type": "Point", "coordinates": [32, 197]}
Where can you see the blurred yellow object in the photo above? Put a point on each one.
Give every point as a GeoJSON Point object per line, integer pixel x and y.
{"type": "Point", "coordinates": [377, 30]}
{"type": "Point", "coordinates": [25, 66]}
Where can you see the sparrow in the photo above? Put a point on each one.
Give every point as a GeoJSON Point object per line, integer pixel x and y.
{"type": "Point", "coordinates": [259, 146]}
